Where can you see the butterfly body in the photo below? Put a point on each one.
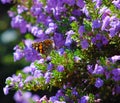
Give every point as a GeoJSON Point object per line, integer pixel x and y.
{"type": "Point", "coordinates": [44, 47]}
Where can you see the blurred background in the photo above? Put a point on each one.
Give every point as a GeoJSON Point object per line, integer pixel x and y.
{"type": "Point", "coordinates": [8, 39]}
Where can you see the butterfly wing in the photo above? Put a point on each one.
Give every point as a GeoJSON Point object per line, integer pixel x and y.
{"type": "Point", "coordinates": [44, 47]}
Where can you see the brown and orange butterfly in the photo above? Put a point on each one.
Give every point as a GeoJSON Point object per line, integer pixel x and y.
{"type": "Point", "coordinates": [44, 47]}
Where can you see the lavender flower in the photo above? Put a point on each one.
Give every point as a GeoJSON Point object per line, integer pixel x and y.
{"type": "Point", "coordinates": [69, 2]}
{"type": "Point", "coordinates": [60, 68]}
{"type": "Point", "coordinates": [84, 99]}
{"type": "Point", "coordinates": [19, 22]}
{"type": "Point", "coordinates": [6, 89]}
{"type": "Point", "coordinates": [50, 66]}
{"type": "Point", "coordinates": [81, 30]}
{"type": "Point", "coordinates": [116, 3]}
{"type": "Point", "coordinates": [80, 3]}
{"type": "Point", "coordinates": [114, 58]}
{"type": "Point", "coordinates": [36, 9]}
{"type": "Point", "coordinates": [74, 92]}
{"type": "Point", "coordinates": [77, 12]}
{"type": "Point", "coordinates": [68, 38]}
{"type": "Point", "coordinates": [58, 40]}
{"type": "Point", "coordinates": [98, 3]}
{"type": "Point", "coordinates": [51, 28]}
{"type": "Point", "coordinates": [18, 54]}
{"type": "Point", "coordinates": [98, 83]}
{"type": "Point", "coordinates": [21, 9]}
{"type": "Point", "coordinates": [38, 74]}
{"type": "Point", "coordinates": [22, 97]}
{"type": "Point", "coordinates": [98, 69]}
{"type": "Point", "coordinates": [53, 99]}
{"type": "Point", "coordinates": [84, 44]}
{"type": "Point", "coordinates": [96, 24]}
{"type": "Point", "coordinates": [28, 79]}
{"type": "Point", "coordinates": [116, 74]}
{"type": "Point", "coordinates": [106, 22]}
{"type": "Point", "coordinates": [77, 59]}
{"type": "Point", "coordinates": [90, 68]}
{"type": "Point", "coordinates": [104, 11]}
{"type": "Point", "coordinates": [6, 1]}
{"type": "Point", "coordinates": [47, 76]}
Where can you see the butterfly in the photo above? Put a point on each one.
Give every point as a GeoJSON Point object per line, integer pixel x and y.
{"type": "Point", "coordinates": [44, 47]}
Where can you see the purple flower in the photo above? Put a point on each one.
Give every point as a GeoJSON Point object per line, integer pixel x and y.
{"type": "Point", "coordinates": [38, 74]}
{"type": "Point", "coordinates": [74, 92]}
{"type": "Point", "coordinates": [37, 31]}
{"type": "Point", "coordinates": [84, 44]}
{"type": "Point", "coordinates": [19, 22]}
{"type": "Point", "coordinates": [36, 9]}
{"type": "Point", "coordinates": [60, 93]}
{"type": "Point", "coordinates": [99, 40]}
{"type": "Point", "coordinates": [104, 12]}
{"type": "Point", "coordinates": [115, 58]}
{"type": "Point", "coordinates": [98, 37]}
{"type": "Point", "coordinates": [68, 38]}
{"type": "Point", "coordinates": [80, 3]}
{"type": "Point", "coordinates": [49, 30]}
{"type": "Point", "coordinates": [31, 54]}
{"type": "Point", "coordinates": [85, 11]}
{"type": "Point", "coordinates": [98, 69]}
{"type": "Point", "coordinates": [90, 68]}
{"type": "Point", "coordinates": [48, 76]}
{"type": "Point", "coordinates": [84, 99]}
{"type": "Point", "coordinates": [33, 68]}
{"type": "Point", "coordinates": [98, 83]}
{"type": "Point", "coordinates": [21, 9]}
{"type": "Point", "coordinates": [96, 24]}
{"type": "Point", "coordinates": [81, 30]}
{"type": "Point", "coordinates": [70, 2]}
{"type": "Point", "coordinates": [6, 89]}
{"type": "Point", "coordinates": [116, 72]}
{"type": "Point", "coordinates": [77, 59]}
{"type": "Point", "coordinates": [17, 78]}
{"type": "Point", "coordinates": [98, 3]}
{"type": "Point", "coordinates": [6, 1]}
{"type": "Point", "coordinates": [18, 54]}
{"type": "Point", "coordinates": [72, 18]}
{"type": "Point", "coordinates": [50, 66]}
{"type": "Point", "coordinates": [58, 40]}
{"type": "Point", "coordinates": [28, 79]}
{"type": "Point", "coordinates": [53, 99]}
{"type": "Point", "coordinates": [61, 51]}
{"type": "Point", "coordinates": [116, 3]}
{"type": "Point", "coordinates": [60, 68]}
{"type": "Point", "coordinates": [106, 22]}
{"type": "Point", "coordinates": [115, 25]}
{"type": "Point", "coordinates": [11, 13]}
{"type": "Point", "coordinates": [112, 32]}
{"type": "Point", "coordinates": [20, 97]}
{"type": "Point", "coordinates": [20, 85]}
{"type": "Point", "coordinates": [43, 99]}
{"type": "Point", "coordinates": [104, 40]}
{"type": "Point", "coordinates": [77, 12]}
{"type": "Point", "coordinates": [35, 98]}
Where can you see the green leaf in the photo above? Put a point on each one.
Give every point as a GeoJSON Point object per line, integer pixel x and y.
{"type": "Point", "coordinates": [29, 36]}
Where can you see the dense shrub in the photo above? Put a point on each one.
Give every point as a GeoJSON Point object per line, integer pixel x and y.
{"type": "Point", "coordinates": [72, 45]}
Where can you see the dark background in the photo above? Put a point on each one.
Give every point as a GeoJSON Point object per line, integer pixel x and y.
{"type": "Point", "coordinates": [7, 64]}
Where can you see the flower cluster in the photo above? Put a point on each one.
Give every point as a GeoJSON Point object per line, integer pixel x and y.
{"type": "Point", "coordinates": [83, 33]}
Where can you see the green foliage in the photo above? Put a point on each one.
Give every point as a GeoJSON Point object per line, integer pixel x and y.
{"type": "Point", "coordinates": [91, 98]}
{"type": "Point", "coordinates": [29, 36]}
